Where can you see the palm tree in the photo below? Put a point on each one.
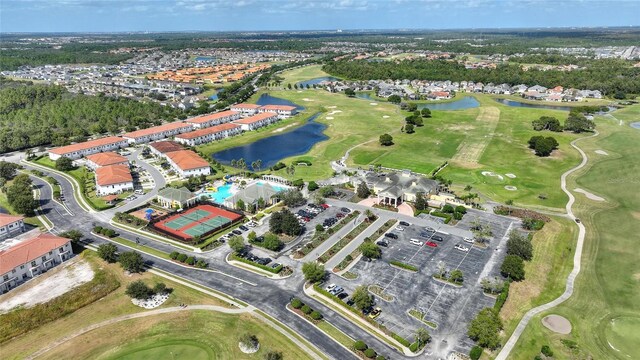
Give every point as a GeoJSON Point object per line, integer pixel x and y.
{"type": "Point", "coordinates": [422, 336]}
{"type": "Point", "coordinates": [233, 162]}
{"type": "Point", "coordinates": [258, 164]}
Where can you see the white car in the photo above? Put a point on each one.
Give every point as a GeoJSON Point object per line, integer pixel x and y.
{"type": "Point", "coordinates": [416, 242]}
{"type": "Point", "coordinates": [330, 287]}
{"type": "Point", "coordinates": [469, 240]}
{"type": "Point", "coordinates": [461, 247]}
{"type": "Point", "coordinates": [399, 228]}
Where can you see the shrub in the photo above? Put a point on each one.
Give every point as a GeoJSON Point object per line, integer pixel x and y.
{"type": "Point", "coordinates": [97, 229]}
{"type": "Point", "coordinates": [546, 351]}
{"type": "Point", "coordinates": [138, 290]}
{"type": "Point", "coordinates": [110, 233]}
{"type": "Point", "coordinates": [182, 257]}
{"type": "Point", "coordinates": [131, 261]}
{"type": "Point", "coordinates": [380, 357]}
{"type": "Point", "coordinates": [475, 352]}
{"type": "Point", "coordinates": [174, 255]}
{"type": "Point", "coordinates": [513, 268]}
{"type": "Point", "coordinates": [370, 353]}
{"type": "Point", "coordinates": [306, 309]}
{"type": "Point", "coordinates": [160, 288]}
{"type": "Point", "coordinates": [413, 347]}
{"type": "Point", "coordinates": [201, 264]}
{"type": "Point", "coordinates": [296, 303]}
{"type": "Point", "coordinates": [190, 260]}
{"type": "Point", "coordinates": [315, 315]}
{"type": "Point", "coordinates": [360, 345]}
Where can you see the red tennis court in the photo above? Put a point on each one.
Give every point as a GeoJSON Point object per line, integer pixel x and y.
{"type": "Point", "coordinates": [200, 221]}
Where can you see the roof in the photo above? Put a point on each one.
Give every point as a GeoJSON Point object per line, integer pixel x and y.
{"type": "Point", "coordinates": [278, 107]}
{"type": "Point", "coordinates": [86, 145]}
{"type": "Point", "coordinates": [255, 118]}
{"type": "Point", "coordinates": [106, 158]}
{"type": "Point", "coordinates": [181, 194]}
{"type": "Point", "coordinates": [187, 160]}
{"type": "Point", "coordinates": [166, 146]}
{"type": "Point", "coordinates": [6, 219]}
{"type": "Point", "coordinates": [113, 174]}
{"type": "Point", "coordinates": [211, 117]}
{"type": "Point", "coordinates": [252, 193]}
{"type": "Point", "coordinates": [207, 131]}
{"type": "Point", "coordinates": [156, 129]}
{"type": "Point", "coordinates": [29, 250]}
{"type": "Point", "coordinates": [245, 106]}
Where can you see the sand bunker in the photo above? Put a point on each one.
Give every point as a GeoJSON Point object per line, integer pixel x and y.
{"type": "Point", "coordinates": [374, 104]}
{"type": "Point", "coordinates": [335, 112]}
{"type": "Point", "coordinates": [283, 128]}
{"type": "Point", "coordinates": [490, 173]}
{"type": "Point", "coordinates": [307, 99]}
{"type": "Point", "coordinates": [299, 91]}
{"type": "Point", "coordinates": [557, 324]}
{"type": "Point", "coordinates": [601, 152]}
{"type": "Point", "coordinates": [329, 117]}
{"type": "Point", "coordinates": [589, 195]}
{"type": "Point", "coordinates": [511, 188]}
{"type": "Point", "coordinates": [511, 176]}
{"type": "Point", "coordinates": [331, 107]}
{"type": "Point", "coordinates": [385, 116]}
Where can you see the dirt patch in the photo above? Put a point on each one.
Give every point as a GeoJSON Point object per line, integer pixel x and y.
{"type": "Point", "coordinates": [557, 324]}
{"type": "Point", "coordinates": [601, 152]}
{"type": "Point", "coordinates": [636, 215]}
{"type": "Point", "coordinates": [284, 128]}
{"type": "Point", "coordinates": [589, 195]}
{"type": "Point", "coordinates": [49, 285]}
{"type": "Point", "coordinates": [471, 149]}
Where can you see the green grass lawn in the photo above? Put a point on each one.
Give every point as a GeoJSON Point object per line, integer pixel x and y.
{"type": "Point", "coordinates": [301, 74]}
{"type": "Point", "coordinates": [604, 308]}
{"type": "Point", "coordinates": [4, 203]}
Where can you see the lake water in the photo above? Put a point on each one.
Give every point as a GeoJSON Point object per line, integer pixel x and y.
{"type": "Point", "coordinates": [635, 125]}
{"type": "Point", "coordinates": [277, 147]}
{"type": "Point", "coordinates": [467, 102]}
{"type": "Point", "coordinates": [205, 58]}
{"type": "Point", "coordinates": [363, 95]}
{"type": "Point", "coordinates": [317, 80]}
{"type": "Point", "coordinates": [266, 99]}
{"type": "Point", "coordinates": [535, 106]}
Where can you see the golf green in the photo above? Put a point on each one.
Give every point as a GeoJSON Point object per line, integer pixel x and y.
{"type": "Point", "coordinates": [179, 349]}
{"type": "Point", "coordinates": [623, 335]}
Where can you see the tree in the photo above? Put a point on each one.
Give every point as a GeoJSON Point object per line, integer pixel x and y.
{"type": "Point", "coordinates": [138, 290]}
{"type": "Point", "coordinates": [64, 164]}
{"type": "Point", "coordinates": [425, 112]}
{"type": "Point", "coordinates": [513, 268]}
{"type": "Point", "coordinates": [395, 99]}
{"type": "Point", "coordinates": [292, 197]}
{"type": "Point", "coordinates": [456, 276]}
{"type": "Point", "coordinates": [420, 203]}
{"type": "Point", "coordinates": [350, 92]}
{"type": "Point", "coordinates": [8, 170]}
{"type": "Point", "coordinates": [546, 351]}
{"type": "Point", "coordinates": [361, 298]}
{"type": "Point", "coordinates": [409, 129]}
{"type": "Point", "coordinates": [386, 140]}
{"type": "Point", "coordinates": [422, 336]}
{"type": "Point", "coordinates": [240, 205]}
{"type": "Point", "coordinates": [412, 107]}
{"type": "Point", "coordinates": [249, 341]}
{"type": "Point", "coordinates": [312, 186]}
{"type": "Point", "coordinates": [160, 288]}
{"type": "Point", "coordinates": [236, 243]}
{"type": "Point", "coordinates": [313, 272]}
{"type": "Point", "coordinates": [475, 353]}
{"type": "Point", "coordinates": [285, 222]}
{"type": "Point", "coordinates": [251, 237]}
{"type": "Point", "coordinates": [546, 123]}
{"type": "Point", "coordinates": [578, 123]}
{"type": "Point", "coordinates": [74, 235]}
{"type": "Point", "coordinates": [131, 261]}
{"type": "Point", "coordinates": [485, 328]}
{"type": "Point", "coordinates": [272, 242]}
{"type": "Point", "coordinates": [20, 195]}
{"type": "Point", "coordinates": [363, 191]}
{"type": "Point", "coordinates": [370, 250]}
{"type": "Point", "coordinates": [108, 252]}
{"type": "Point", "coordinates": [519, 245]}
{"type": "Point", "coordinates": [273, 355]}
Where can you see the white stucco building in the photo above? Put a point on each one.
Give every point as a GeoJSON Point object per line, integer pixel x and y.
{"type": "Point", "coordinates": [209, 120]}
{"type": "Point", "coordinates": [209, 134]}
{"type": "Point", "coordinates": [283, 111]}
{"type": "Point", "coordinates": [76, 151]}
{"type": "Point", "coordinates": [257, 121]}
{"type": "Point", "coordinates": [246, 109]}
{"type": "Point", "coordinates": [187, 163]}
{"type": "Point", "coordinates": [10, 225]}
{"type": "Point", "coordinates": [157, 132]}
{"type": "Point", "coordinates": [113, 179]}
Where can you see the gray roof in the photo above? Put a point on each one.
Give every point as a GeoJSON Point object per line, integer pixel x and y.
{"type": "Point", "coordinates": [396, 184]}
{"type": "Point", "coordinates": [252, 193]}
{"type": "Point", "coordinates": [181, 194]}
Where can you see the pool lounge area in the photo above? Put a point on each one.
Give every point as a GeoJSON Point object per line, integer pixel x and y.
{"type": "Point", "coordinates": [221, 191]}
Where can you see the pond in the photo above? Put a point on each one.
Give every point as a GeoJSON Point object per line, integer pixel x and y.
{"type": "Point", "coordinates": [205, 58]}
{"type": "Point", "coordinates": [363, 95]}
{"type": "Point", "coordinates": [277, 147]}
{"type": "Point", "coordinates": [266, 99]}
{"type": "Point", "coordinates": [635, 125]}
{"type": "Point", "coordinates": [535, 106]}
{"type": "Point", "coordinates": [317, 80]}
{"type": "Point", "coordinates": [466, 102]}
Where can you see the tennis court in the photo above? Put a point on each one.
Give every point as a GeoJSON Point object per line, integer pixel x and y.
{"type": "Point", "coordinates": [198, 221]}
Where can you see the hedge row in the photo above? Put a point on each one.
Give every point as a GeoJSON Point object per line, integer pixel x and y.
{"type": "Point", "coordinates": [306, 309]}
{"type": "Point", "coordinates": [502, 298]}
{"type": "Point", "coordinates": [275, 270]}
{"type": "Point", "coordinates": [321, 237]}
{"type": "Point", "coordinates": [368, 352]}
{"type": "Point", "coordinates": [402, 265]}
{"type": "Point", "coordinates": [189, 260]}
{"type": "Point", "coordinates": [110, 233]}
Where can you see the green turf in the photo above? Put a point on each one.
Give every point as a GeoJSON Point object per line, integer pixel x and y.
{"type": "Point", "coordinates": [176, 349]}
{"type": "Point", "coordinates": [301, 74]}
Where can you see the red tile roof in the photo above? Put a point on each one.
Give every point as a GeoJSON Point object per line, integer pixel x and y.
{"type": "Point", "coordinates": [106, 158]}
{"type": "Point", "coordinates": [86, 145]}
{"type": "Point", "coordinates": [210, 117]}
{"type": "Point", "coordinates": [187, 160]}
{"type": "Point", "coordinates": [278, 107]}
{"type": "Point", "coordinates": [164, 147]}
{"type": "Point", "coordinates": [156, 129]}
{"type": "Point", "coordinates": [29, 250]}
{"type": "Point", "coordinates": [255, 118]}
{"type": "Point", "coordinates": [113, 174]}
{"type": "Point", "coordinates": [245, 106]}
{"type": "Point", "coordinates": [6, 219]}
{"type": "Point", "coordinates": [207, 131]}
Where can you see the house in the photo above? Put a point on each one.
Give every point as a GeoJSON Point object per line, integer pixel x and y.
{"type": "Point", "coordinates": [10, 225]}
{"type": "Point", "coordinates": [160, 148]}
{"type": "Point", "coordinates": [257, 121]}
{"type": "Point", "coordinates": [30, 258]}
{"type": "Point", "coordinates": [283, 111]}
{"type": "Point", "coordinates": [210, 134]}
{"type": "Point", "coordinates": [206, 121]}
{"type": "Point", "coordinates": [187, 163]}
{"type": "Point", "coordinates": [95, 161]}
{"type": "Point", "coordinates": [172, 198]}
{"type": "Point", "coordinates": [394, 188]}
{"type": "Point", "coordinates": [113, 179]}
{"type": "Point", "coordinates": [246, 109]}
{"type": "Point", "coordinates": [252, 194]}
{"type": "Point", "coordinates": [76, 151]}
{"type": "Point", "coordinates": [439, 95]}
{"type": "Point", "coordinates": [157, 132]}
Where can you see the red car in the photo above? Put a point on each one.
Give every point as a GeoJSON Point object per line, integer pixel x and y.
{"type": "Point", "coordinates": [431, 244]}
{"type": "Point", "coordinates": [325, 206]}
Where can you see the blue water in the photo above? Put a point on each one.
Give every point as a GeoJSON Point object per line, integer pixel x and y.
{"type": "Point", "coordinates": [266, 99]}
{"type": "Point", "coordinates": [636, 125]}
{"type": "Point", "coordinates": [527, 105]}
{"type": "Point", "coordinates": [317, 80]}
{"type": "Point", "coordinates": [214, 97]}
{"type": "Point", "coordinates": [221, 194]}
{"type": "Point", "coordinates": [205, 58]}
{"type": "Point", "coordinates": [467, 102]}
{"type": "Point", "coordinates": [277, 147]}
{"type": "Point", "coordinates": [363, 95]}
{"type": "Point", "coordinates": [274, 186]}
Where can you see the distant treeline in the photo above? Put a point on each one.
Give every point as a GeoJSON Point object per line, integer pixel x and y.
{"type": "Point", "coordinates": [609, 76]}
{"type": "Point", "coordinates": [35, 115]}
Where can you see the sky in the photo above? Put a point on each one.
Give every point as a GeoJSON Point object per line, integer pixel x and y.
{"type": "Point", "coordinates": [239, 15]}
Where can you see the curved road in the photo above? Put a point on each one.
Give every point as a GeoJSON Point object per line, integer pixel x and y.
{"type": "Point", "coordinates": [568, 291]}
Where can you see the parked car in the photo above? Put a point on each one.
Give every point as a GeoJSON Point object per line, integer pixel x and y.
{"type": "Point", "coordinates": [469, 240]}
{"type": "Point", "coordinates": [382, 243]}
{"type": "Point", "coordinates": [345, 210]}
{"type": "Point", "coordinates": [342, 295]}
{"type": "Point", "coordinates": [330, 287]}
{"type": "Point", "coordinates": [404, 223]}
{"type": "Point", "coordinates": [399, 228]}
{"type": "Point", "coordinates": [237, 232]}
{"type": "Point", "coordinates": [251, 224]}
{"type": "Point", "coordinates": [437, 238]}
{"type": "Point", "coordinates": [243, 228]}
{"type": "Point", "coordinates": [431, 244]}
{"type": "Point", "coordinates": [430, 229]}
{"type": "Point", "coordinates": [461, 247]}
{"type": "Point", "coordinates": [416, 242]}
{"type": "Point", "coordinates": [336, 290]}
{"type": "Point", "coordinates": [139, 192]}
{"type": "Point", "coordinates": [325, 206]}
{"type": "Point", "coordinates": [391, 235]}
{"type": "Point", "coordinates": [339, 215]}
{"type": "Point", "coordinates": [375, 313]}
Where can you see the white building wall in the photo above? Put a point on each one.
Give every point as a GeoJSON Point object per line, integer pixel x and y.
{"type": "Point", "coordinates": [94, 150]}
{"type": "Point", "coordinates": [12, 228]}
{"type": "Point", "coordinates": [34, 268]}
{"type": "Point", "coordinates": [114, 188]}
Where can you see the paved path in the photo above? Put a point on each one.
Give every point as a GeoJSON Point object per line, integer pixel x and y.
{"type": "Point", "coordinates": [327, 244]}
{"type": "Point", "coordinates": [568, 291]}
{"type": "Point", "coordinates": [351, 246]}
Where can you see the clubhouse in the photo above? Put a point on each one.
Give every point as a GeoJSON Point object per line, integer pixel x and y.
{"type": "Point", "coordinates": [395, 188]}
{"type": "Point", "coordinates": [76, 151]}
{"type": "Point", "coordinates": [209, 134]}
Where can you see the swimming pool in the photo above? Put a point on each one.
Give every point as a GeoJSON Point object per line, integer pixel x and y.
{"type": "Point", "coordinates": [221, 193]}
{"type": "Point", "coordinates": [277, 188]}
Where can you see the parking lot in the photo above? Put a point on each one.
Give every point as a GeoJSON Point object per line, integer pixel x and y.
{"type": "Point", "coordinates": [450, 307]}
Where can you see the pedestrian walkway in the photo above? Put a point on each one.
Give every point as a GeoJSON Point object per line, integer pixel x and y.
{"type": "Point", "coordinates": [337, 258]}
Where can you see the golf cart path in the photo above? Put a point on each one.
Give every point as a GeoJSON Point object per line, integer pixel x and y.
{"type": "Point", "coordinates": [568, 291]}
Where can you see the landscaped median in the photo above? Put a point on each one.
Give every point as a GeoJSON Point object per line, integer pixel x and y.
{"type": "Point", "coordinates": [371, 326]}
{"type": "Point", "coordinates": [276, 273]}
{"type": "Point", "coordinates": [321, 237]}
{"type": "Point", "coordinates": [403, 266]}
{"type": "Point", "coordinates": [351, 259]}
{"type": "Point", "coordinates": [346, 240]}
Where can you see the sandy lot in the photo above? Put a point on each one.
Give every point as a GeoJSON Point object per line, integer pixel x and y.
{"type": "Point", "coordinates": [557, 323]}
{"type": "Point", "coordinates": [589, 195]}
{"type": "Point", "coordinates": [49, 285]}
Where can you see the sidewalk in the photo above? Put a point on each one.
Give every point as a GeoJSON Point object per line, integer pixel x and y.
{"type": "Point", "coordinates": [327, 244]}
{"type": "Point", "coordinates": [337, 258]}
